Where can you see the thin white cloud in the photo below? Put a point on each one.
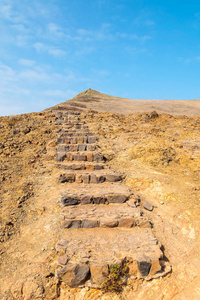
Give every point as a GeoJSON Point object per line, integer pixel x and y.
{"type": "Point", "coordinates": [26, 62]}
{"type": "Point", "coordinates": [9, 13]}
{"type": "Point", "coordinates": [55, 30]}
{"type": "Point", "coordinates": [57, 52]}
{"type": "Point", "coordinates": [41, 47]}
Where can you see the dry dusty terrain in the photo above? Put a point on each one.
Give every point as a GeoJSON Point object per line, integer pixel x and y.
{"type": "Point", "coordinates": [159, 155]}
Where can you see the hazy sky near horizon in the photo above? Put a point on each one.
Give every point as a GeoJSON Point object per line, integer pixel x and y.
{"type": "Point", "coordinates": [51, 50]}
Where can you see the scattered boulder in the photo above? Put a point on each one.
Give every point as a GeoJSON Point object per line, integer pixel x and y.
{"type": "Point", "coordinates": [148, 206]}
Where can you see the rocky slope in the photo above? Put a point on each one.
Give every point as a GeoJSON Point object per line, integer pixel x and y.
{"type": "Point", "coordinates": [158, 156]}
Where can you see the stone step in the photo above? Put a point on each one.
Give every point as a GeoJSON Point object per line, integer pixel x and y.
{"type": "Point", "coordinates": [76, 122]}
{"type": "Point", "coordinates": [113, 215]}
{"type": "Point", "coordinates": [79, 156]}
{"type": "Point", "coordinates": [75, 134]}
{"type": "Point", "coordinates": [90, 166]}
{"type": "Point", "coordinates": [71, 127]}
{"type": "Point", "coordinates": [105, 193]}
{"type": "Point", "coordinates": [77, 139]}
{"type": "Point", "coordinates": [76, 147]}
{"type": "Point", "coordinates": [93, 177]}
{"type": "Point", "coordinates": [87, 256]}
{"type": "Point", "coordinates": [74, 130]}
{"type": "Point", "coordinates": [67, 113]}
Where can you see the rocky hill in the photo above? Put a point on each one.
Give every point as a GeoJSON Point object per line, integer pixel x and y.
{"type": "Point", "coordinates": [91, 99]}
{"type": "Point", "coordinates": [99, 199]}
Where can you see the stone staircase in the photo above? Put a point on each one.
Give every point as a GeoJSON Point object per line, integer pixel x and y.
{"type": "Point", "coordinates": [101, 224]}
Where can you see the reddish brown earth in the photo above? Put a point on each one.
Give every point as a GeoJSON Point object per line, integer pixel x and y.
{"type": "Point", "coordinates": [158, 154]}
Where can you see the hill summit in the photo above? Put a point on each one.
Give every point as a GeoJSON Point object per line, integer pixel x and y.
{"type": "Point", "coordinates": [93, 100]}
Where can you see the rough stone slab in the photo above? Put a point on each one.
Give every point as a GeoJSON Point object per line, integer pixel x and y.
{"type": "Point", "coordinates": [60, 156]}
{"type": "Point", "coordinates": [99, 272]}
{"type": "Point", "coordinates": [73, 147]}
{"type": "Point", "coordinates": [100, 215]}
{"type": "Point", "coordinates": [86, 178]}
{"type": "Point", "coordinates": [101, 198]}
{"type": "Point", "coordinates": [98, 157]}
{"type": "Point", "coordinates": [108, 246]}
{"type": "Point", "coordinates": [73, 274]}
{"type": "Point", "coordinates": [79, 157]}
{"type": "Point", "coordinates": [107, 190]}
{"type": "Point", "coordinates": [82, 147]}
{"type": "Point", "coordinates": [70, 177]}
{"type": "Point", "coordinates": [92, 139]}
{"type": "Point", "coordinates": [90, 156]}
{"type": "Point", "coordinates": [117, 198]}
{"type": "Point", "coordinates": [69, 199]}
{"type": "Point", "coordinates": [113, 177]}
{"type": "Point", "coordinates": [80, 166]}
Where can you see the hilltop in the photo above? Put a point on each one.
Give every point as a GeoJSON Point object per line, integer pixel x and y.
{"type": "Point", "coordinates": [91, 99]}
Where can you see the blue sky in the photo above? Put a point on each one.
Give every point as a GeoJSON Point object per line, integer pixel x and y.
{"type": "Point", "coordinates": [51, 50]}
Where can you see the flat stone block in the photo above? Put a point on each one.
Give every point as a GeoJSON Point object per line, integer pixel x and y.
{"type": "Point", "coordinates": [93, 179]}
{"type": "Point", "coordinates": [67, 140]}
{"type": "Point", "coordinates": [86, 223]}
{"type": "Point", "coordinates": [60, 156]}
{"type": "Point", "coordinates": [99, 199]}
{"type": "Point", "coordinates": [107, 222]}
{"type": "Point", "coordinates": [67, 200]}
{"type": "Point", "coordinates": [113, 177]}
{"type": "Point", "coordinates": [78, 167]}
{"type": "Point", "coordinates": [90, 157]}
{"type": "Point", "coordinates": [72, 224]}
{"type": "Point", "coordinates": [79, 178]}
{"type": "Point", "coordinates": [85, 139]}
{"type": "Point", "coordinates": [91, 147]}
{"type": "Point", "coordinates": [73, 140]}
{"type": "Point", "coordinates": [98, 157]}
{"type": "Point", "coordinates": [80, 157]}
{"type": "Point", "coordinates": [80, 140]}
{"type": "Point", "coordinates": [81, 147]}
{"type": "Point", "coordinates": [73, 147]}
{"type": "Point", "coordinates": [87, 199]}
{"type": "Point", "coordinates": [92, 139]}
{"type": "Point", "coordinates": [89, 167]}
{"type": "Point", "coordinates": [86, 178]}
{"type": "Point", "coordinates": [67, 178]}
{"type": "Point", "coordinates": [73, 274]}
{"type": "Point", "coordinates": [63, 148]}
{"type": "Point", "coordinates": [69, 156]}
{"type": "Point", "coordinates": [60, 140]}
{"type": "Point", "coordinates": [126, 222]}
{"type": "Point", "coordinates": [99, 272]}
{"type": "Point", "coordinates": [116, 198]}
{"type": "Point", "coordinates": [98, 167]}
{"type": "Point", "coordinates": [100, 178]}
